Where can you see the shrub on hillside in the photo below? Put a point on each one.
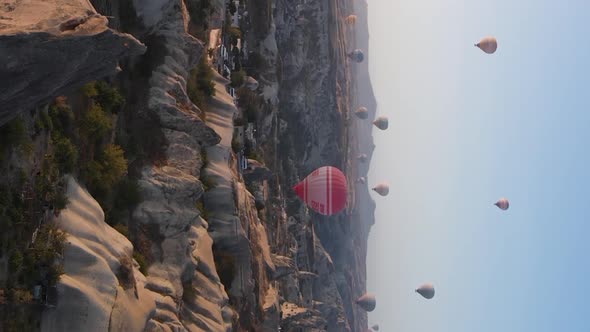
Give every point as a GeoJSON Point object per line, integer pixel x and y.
{"type": "Point", "coordinates": [95, 124]}
{"type": "Point", "coordinates": [200, 84]}
{"type": "Point", "coordinates": [237, 78]}
{"type": "Point", "coordinates": [108, 97]}
{"type": "Point", "coordinates": [62, 118]}
{"type": "Point", "coordinates": [89, 90]}
{"type": "Point", "coordinates": [143, 264]}
{"type": "Point", "coordinates": [66, 154]}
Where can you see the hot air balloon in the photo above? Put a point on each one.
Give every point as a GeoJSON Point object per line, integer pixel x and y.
{"type": "Point", "coordinates": [426, 290]}
{"type": "Point", "coordinates": [382, 189]}
{"type": "Point", "coordinates": [375, 327]}
{"type": "Point", "coordinates": [251, 83]}
{"type": "Point", "coordinates": [357, 55]}
{"type": "Point", "coordinates": [361, 180]}
{"type": "Point", "coordinates": [362, 158]}
{"type": "Point", "coordinates": [381, 122]}
{"type": "Point", "coordinates": [325, 190]}
{"type": "Point", "coordinates": [350, 19]}
{"type": "Point", "coordinates": [488, 45]}
{"type": "Point", "coordinates": [503, 204]}
{"type": "Point", "coordinates": [367, 302]}
{"type": "Point", "coordinates": [362, 113]}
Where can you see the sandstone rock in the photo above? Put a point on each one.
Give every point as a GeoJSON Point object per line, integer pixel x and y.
{"type": "Point", "coordinates": [51, 47]}
{"type": "Point", "coordinates": [91, 297]}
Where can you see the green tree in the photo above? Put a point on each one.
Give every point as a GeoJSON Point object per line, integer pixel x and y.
{"type": "Point", "coordinates": [66, 154]}
{"type": "Point", "coordinates": [143, 264]}
{"type": "Point", "coordinates": [108, 97]}
{"type": "Point", "coordinates": [89, 90]}
{"type": "Point", "coordinates": [200, 83]}
{"type": "Point", "coordinates": [113, 164]}
{"type": "Point", "coordinates": [96, 124]}
{"type": "Point", "coordinates": [61, 118]}
{"type": "Point", "coordinates": [237, 78]}
{"type": "Point", "coordinates": [16, 261]}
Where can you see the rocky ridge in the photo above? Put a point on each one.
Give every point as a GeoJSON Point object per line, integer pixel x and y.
{"type": "Point", "coordinates": [72, 46]}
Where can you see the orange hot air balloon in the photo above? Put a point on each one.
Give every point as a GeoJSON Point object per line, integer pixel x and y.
{"type": "Point", "coordinates": [350, 19]}
{"type": "Point", "coordinates": [488, 44]}
{"type": "Point", "coordinates": [325, 190]}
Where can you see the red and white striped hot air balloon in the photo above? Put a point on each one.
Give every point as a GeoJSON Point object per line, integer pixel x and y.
{"type": "Point", "coordinates": [325, 190]}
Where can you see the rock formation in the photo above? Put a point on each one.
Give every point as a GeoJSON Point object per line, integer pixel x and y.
{"type": "Point", "coordinates": [93, 294]}
{"type": "Point", "coordinates": [51, 47]}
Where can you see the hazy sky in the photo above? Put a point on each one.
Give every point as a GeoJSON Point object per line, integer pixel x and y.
{"type": "Point", "coordinates": [467, 128]}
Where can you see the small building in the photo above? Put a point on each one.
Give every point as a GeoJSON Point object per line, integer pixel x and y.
{"type": "Point", "coordinates": [250, 131]}
{"type": "Point", "coordinates": [244, 49]}
{"type": "Point", "coordinates": [37, 292]}
{"type": "Point", "coordinates": [243, 162]}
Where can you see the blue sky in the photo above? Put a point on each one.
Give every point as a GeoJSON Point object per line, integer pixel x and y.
{"type": "Point", "coordinates": [467, 128]}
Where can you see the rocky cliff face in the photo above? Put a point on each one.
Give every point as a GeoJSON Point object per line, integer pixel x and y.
{"type": "Point", "coordinates": [50, 48]}
{"type": "Point", "coordinates": [190, 295]}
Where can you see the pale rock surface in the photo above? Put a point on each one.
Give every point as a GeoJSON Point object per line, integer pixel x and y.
{"type": "Point", "coordinates": [90, 297]}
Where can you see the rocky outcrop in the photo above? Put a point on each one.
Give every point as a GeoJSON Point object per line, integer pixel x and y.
{"type": "Point", "coordinates": [51, 47]}
{"type": "Point", "coordinates": [92, 294]}
{"type": "Point", "coordinates": [189, 292]}
{"type": "Point", "coordinates": [239, 236]}
{"type": "Point", "coordinates": [303, 319]}
{"type": "Point", "coordinates": [312, 127]}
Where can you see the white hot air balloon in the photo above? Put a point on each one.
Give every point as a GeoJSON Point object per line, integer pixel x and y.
{"type": "Point", "coordinates": [503, 204]}
{"type": "Point", "coordinates": [361, 113]}
{"type": "Point", "coordinates": [382, 189]}
{"type": "Point", "coordinates": [426, 290]}
{"type": "Point", "coordinates": [363, 158]}
{"type": "Point", "coordinates": [381, 122]}
{"type": "Point", "coordinates": [488, 45]}
{"type": "Point", "coordinates": [367, 302]}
